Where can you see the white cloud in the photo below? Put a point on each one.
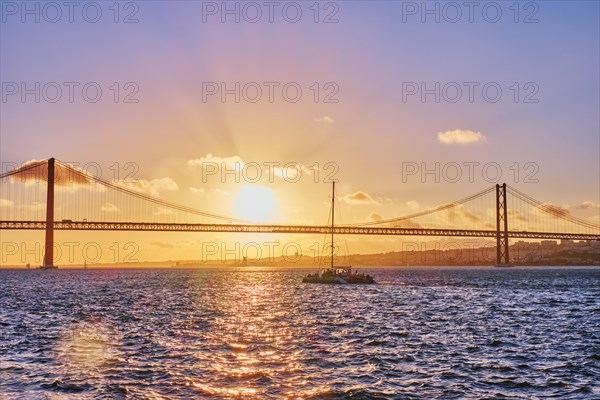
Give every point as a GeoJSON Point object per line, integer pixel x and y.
{"type": "Point", "coordinates": [233, 163]}
{"type": "Point", "coordinates": [384, 200]}
{"type": "Point", "coordinates": [6, 203]}
{"type": "Point", "coordinates": [162, 245]}
{"type": "Point", "coordinates": [109, 207]}
{"type": "Point", "coordinates": [165, 184]}
{"type": "Point", "coordinates": [153, 187]}
{"type": "Point", "coordinates": [164, 211]}
{"type": "Point", "coordinates": [325, 120]}
{"type": "Point", "coordinates": [35, 206]}
{"type": "Point", "coordinates": [413, 205]}
{"type": "Point", "coordinates": [223, 192]}
{"type": "Point", "coordinates": [589, 205]}
{"type": "Point", "coordinates": [289, 171]}
{"type": "Point", "coordinates": [359, 198]}
{"type": "Point", "coordinates": [196, 190]}
{"type": "Point", "coordinates": [375, 216]}
{"type": "Point", "coordinates": [460, 136]}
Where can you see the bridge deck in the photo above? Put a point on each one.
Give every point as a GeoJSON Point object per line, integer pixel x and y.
{"type": "Point", "coordinates": [267, 228]}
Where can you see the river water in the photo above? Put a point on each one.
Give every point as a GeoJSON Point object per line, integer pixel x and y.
{"type": "Point", "coordinates": [261, 333]}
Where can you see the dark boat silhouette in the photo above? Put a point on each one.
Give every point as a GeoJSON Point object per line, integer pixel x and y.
{"type": "Point", "coordinates": [337, 274]}
{"type": "Point", "coordinates": [47, 267]}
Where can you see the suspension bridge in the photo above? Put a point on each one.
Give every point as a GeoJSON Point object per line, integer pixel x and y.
{"type": "Point", "coordinates": [72, 199]}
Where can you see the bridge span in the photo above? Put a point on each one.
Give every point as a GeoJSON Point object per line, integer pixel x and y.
{"type": "Point", "coordinates": [484, 214]}
{"type": "Point", "coordinates": [285, 229]}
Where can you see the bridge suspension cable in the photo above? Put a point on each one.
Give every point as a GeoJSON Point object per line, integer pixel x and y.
{"type": "Point", "coordinates": [552, 210]}
{"type": "Point", "coordinates": [148, 198]}
{"type": "Point", "coordinates": [22, 170]}
{"type": "Point", "coordinates": [438, 209]}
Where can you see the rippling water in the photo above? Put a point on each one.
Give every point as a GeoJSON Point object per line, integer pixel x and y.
{"type": "Point", "coordinates": [261, 333]}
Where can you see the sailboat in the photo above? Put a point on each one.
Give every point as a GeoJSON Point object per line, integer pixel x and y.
{"type": "Point", "coordinates": [337, 274]}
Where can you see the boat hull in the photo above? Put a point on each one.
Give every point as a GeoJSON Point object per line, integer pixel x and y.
{"type": "Point", "coordinates": [340, 279]}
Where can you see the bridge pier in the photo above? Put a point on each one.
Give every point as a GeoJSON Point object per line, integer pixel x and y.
{"type": "Point", "coordinates": [502, 255]}
{"type": "Point", "coordinates": [49, 247]}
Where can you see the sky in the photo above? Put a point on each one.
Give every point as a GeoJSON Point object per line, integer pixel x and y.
{"type": "Point", "coordinates": [385, 86]}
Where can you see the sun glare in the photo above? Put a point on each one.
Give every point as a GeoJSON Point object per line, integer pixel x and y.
{"type": "Point", "coordinates": [255, 203]}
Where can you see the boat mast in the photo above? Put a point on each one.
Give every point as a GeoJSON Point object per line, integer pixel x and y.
{"type": "Point", "coordinates": [332, 218]}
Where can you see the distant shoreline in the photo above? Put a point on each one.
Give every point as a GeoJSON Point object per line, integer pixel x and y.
{"type": "Point", "coordinates": [547, 253]}
{"type": "Point", "coordinates": [157, 266]}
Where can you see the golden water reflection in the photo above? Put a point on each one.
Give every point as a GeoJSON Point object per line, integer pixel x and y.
{"type": "Point", "coordinates": [255, 345]}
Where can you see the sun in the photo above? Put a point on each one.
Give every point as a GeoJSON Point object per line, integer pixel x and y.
{"type": "Point", "coordinates": [255, 203]}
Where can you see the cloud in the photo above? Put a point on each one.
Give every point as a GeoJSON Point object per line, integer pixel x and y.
{"type": "Point", "coordinates": [164, 211]}
{"type": "Point", "coordinates": [413, 205]}
{"type": "Point", "coordinates": [290, 171]}
{"type": "Point", "coordinates": [325, 120]}
{"type": "Point", "coordinates": [386, 200]}
{"type": "Point", "coordinates": [555, 210]}
{"type": "Point", "coordinates": [165, 184]}
{"type": "Point", "coordinates": [359, 198]}
{"type": "Point", "coordinates": [406, 223]}
{"type": "Point", "coordinates": [70, 178]}
{"type": "Point", "coordinates": [375, 216]}
{"type": "Point", "coordinates": [162, 245]}
{"type": "Point", "coordinates": [233, 163]}
{"type": "Point", "coordinates": [35, 206]}
{"type": "Point", "coordinates": [460, 214]}
{"type": "Point", "coordinates": [588, 205]}
{"type": "Point", "coordinates": [516, 215]}
{"type": "Point", "coordinates": [460, 136]}
{"type": "Point", "coordinates": [223, 192]}
{"type": "Point", "coordinates": [6, 203]}
{"type": "Point", "coordinates": [196, 190]}
{"type": "Point", "coordinates": [110, 208]}
{"type": "Point", "coordinates": [152, 187]}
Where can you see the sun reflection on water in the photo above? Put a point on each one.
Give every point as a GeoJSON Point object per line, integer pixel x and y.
{"type": "Point", "coordinates": [255, 344]}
